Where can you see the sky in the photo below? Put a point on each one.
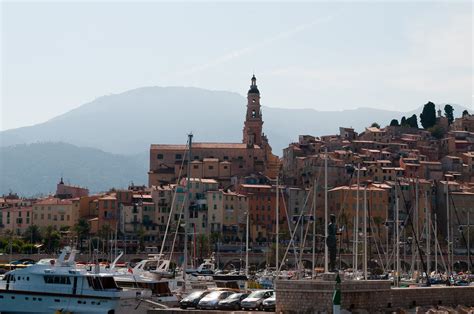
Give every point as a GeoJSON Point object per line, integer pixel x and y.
{"type": "Point", "coordinates": [57, 56]}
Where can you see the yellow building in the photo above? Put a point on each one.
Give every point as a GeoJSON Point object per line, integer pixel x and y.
{"type": "Point", "coordinates": [55, 212]}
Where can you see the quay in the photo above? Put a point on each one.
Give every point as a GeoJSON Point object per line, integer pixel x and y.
{"type": "Point", "coordinates": [188, 311]}
{"type": "Point", "coordinates": [372, 296]}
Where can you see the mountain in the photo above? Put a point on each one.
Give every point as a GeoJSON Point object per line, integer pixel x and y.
{"type": "Point", "coordinates": [31, 169]}
{"type": "Point", "coordinates": [108, 139]}
{"type": "Point", "coordinates": [129, 122]}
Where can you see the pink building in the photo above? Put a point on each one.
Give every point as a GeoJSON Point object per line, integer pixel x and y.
{"type": "Point", "coordinates": [69, 191]}
{"type": "Point", "coordinates": [17, 219]}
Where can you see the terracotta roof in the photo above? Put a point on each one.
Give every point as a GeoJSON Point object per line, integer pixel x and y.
{"type": "Point", "coordinates": [53, 201]}
{"type": "Point", "coordinates": [430, 162]}
{"type": "Point", "coordinates": [354, 187]}
{"type": "Point", "coordinates": [264, 186]}
{"type": "Point", "coordinates": [209, 145]}
{"type": "Point", "coordinates": [108, 197]}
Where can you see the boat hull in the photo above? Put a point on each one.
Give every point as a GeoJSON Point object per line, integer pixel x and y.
{"type": "Point", "coordinates": [18, 302]}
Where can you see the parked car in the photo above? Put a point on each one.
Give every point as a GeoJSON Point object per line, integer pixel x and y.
{"type": "Point", "coordinates": [255, 299]}
{"type": "Point", "coordinates": [269, 304]}
{"type": "Point", "coordinates": [232, 302]}
{"type": "Point", "coordinates": [211, 300]}
{"type": "Point", "coordinates": [193, 299]}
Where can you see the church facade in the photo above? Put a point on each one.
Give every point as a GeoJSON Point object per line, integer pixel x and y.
{"type": "Point", "coordinates": [220, 161]}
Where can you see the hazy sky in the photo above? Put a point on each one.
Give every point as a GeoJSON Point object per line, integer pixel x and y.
{"type": "Point", "coordinates": [322, 55]}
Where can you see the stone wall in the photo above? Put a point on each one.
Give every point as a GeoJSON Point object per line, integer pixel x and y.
{"type": "Point", "coordinates": [299, 296]}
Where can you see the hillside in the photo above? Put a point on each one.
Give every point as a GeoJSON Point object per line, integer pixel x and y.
{"type": "Point", "coordinates": [36, 168]}
{"type": "Point", "coordinates": [129, 122]}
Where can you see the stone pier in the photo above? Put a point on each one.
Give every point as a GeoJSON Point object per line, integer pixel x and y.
{"type": "Point", "coordinates": [306, 296]}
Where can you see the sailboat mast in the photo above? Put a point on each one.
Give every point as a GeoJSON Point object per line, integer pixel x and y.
{"type": "Point", "coordinates": [313, 257]}
{"type": "Point", "coordinates": [277, 228]}
{"type": "Point", "coordinates": [356, 227]}
{"type": "Point", "coordinates": [365, 233]}
{"type": "Point", "coordinates": [436, 242]}
{"type": "Point", "coordinates": [326, 252]}
{"type": "Point", "coordinates": [428, 235]}
{"type": "Point", "coordinates": [414, 251]}
{"type": "Point", "coordinates": [247, 245]}
{"type": "Point", "coordinates": [185, 210]}
{"type": "Point", "coordinates": [397, 242]}
{"type": "Point", "coordinates": [448, 221]}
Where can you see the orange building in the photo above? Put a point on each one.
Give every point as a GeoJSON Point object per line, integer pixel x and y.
{"type": "Point", "coordinates": [262, 209]}
{"type": "Point", "coordinates": [342, 201]}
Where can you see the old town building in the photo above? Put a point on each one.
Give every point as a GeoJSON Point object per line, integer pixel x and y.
{"type": "Point", "coordinates": [220, 161]}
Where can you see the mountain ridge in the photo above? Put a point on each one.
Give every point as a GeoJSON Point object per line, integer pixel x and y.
{"type": "Point", "coordinates": [128, 122]}
{"type": "Point", "coordinates": [105, 143]}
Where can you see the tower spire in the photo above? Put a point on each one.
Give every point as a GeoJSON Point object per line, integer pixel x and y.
{"type": "Point", "coordinates": [252, 133]}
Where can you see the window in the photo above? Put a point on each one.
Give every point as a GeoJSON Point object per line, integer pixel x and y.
{"type": "Point", "coordinates": [159, 156]}
{"type": "Point", "coordinates": [195, 167]}
{"type": "Point", "coordinates": [61, 280]}
{"type": "Point", "coordinates": [178, 156]}
{"type": "Point", "coordinates": [211, 167]}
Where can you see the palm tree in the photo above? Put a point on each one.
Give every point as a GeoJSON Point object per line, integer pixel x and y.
{"type": "Point", "coordinates": [104, 235]}
{"type": "Point", "coordinates": [82, 229]}
{"type": "Point", "coordinates": [32, 234]}
{"type": "Point", "coordinates": [51, 238]}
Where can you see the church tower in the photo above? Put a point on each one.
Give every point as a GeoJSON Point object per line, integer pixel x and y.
{"type": "Point", "coordinates": [253, 120]}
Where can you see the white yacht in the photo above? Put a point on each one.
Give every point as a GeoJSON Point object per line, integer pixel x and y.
{"type": "Point", "coordinates": [152, 274]}
{"type": "Point", "coordinates": [56, 285]}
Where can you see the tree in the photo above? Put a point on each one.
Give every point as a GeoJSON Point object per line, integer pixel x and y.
{"type": "Point", "coordinates": [105, 234]}
{"type": "Point", "coordinates": [141, 239]}
{"type": "Point", "coordinates": [428, 115]}
{"type": "Point", "coordinates": [448, 113]}
{"type": "Point", "coordinates": [375, 125]}
{"type": "Point", "coordinates": [412, 121]}
{"type": "Point", "coordinates": [82, 229]}
{"type": "Point", "coordinates": [394, 122]}
{"type": "Point", "coordinates": [51, 239]}
{"type": "Point", "coordinates": [32, 234]}
{"type": "Point", "coordinates": [403, 121]}
{"type": "Point", "coordinates": [465, 113]}
{"type": "Point", "coordinates": [437, 132]}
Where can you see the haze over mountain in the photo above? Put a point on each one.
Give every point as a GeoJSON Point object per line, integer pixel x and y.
{"type": "Point", "coordinates": [30, 169]}
{"type": "Point", "coordinates": [95, 133]}
{"type": "Point", "coordinates": [129, 122]}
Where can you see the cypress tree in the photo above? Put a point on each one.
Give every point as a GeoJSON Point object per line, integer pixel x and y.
{"type": "Point", "coordinates": [428, 115]}
{"type": "Point", "coordinates": [448, 113]}
{"type": "Point", "coordinates": [394, 122]}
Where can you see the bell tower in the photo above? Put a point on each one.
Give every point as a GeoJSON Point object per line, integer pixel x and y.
{"type": "Point", "coordinates": [252, 133]}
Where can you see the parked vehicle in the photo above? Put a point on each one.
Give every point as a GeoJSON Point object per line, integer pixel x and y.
{"type": "Point", "coordinates": [269, 304]}
{"type": "Point", "coordinates": [232, 302]}
{"type": "Point", "coordinates": [211, 300]}
{"type": "Point", "coordinates": [255, 299]}
{"type": "Point", "coordinates": [193, 299]}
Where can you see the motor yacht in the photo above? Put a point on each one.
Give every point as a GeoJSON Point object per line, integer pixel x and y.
{"type": "Point", "coordinates": [57, 285]}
